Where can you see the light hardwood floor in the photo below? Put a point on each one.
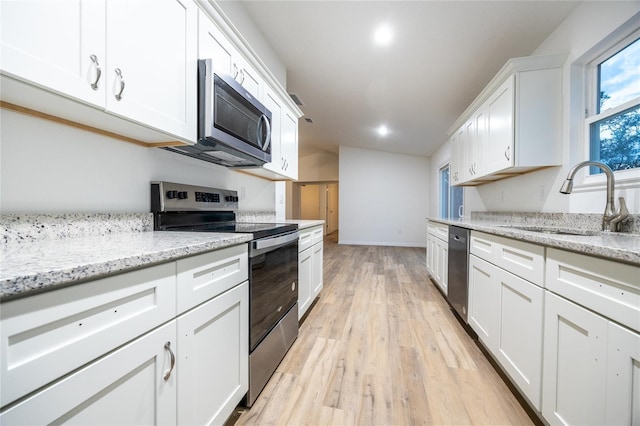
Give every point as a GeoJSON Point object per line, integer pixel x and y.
{"type": "Point", "coordinates": [381, 347]}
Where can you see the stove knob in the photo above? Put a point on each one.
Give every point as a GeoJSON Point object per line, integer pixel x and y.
{"type": "Point", "coordinates": [182, 195]}
{"type": "Point", "coordinates": [172, 194]}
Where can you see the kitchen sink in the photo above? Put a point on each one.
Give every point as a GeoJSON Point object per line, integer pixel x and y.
{"type": "Point", "coordinates": [553, 230]}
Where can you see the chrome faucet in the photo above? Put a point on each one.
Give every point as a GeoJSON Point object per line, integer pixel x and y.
{"type": "Point", "coordinates": [611, 218]}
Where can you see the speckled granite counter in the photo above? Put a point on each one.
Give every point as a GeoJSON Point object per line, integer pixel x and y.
{"type": "Point", "coordinates": [303, 224]}
{"type": "Point", "coordinates": [623, 247]}
{"type": "Point", "coordinates": [33, 262]}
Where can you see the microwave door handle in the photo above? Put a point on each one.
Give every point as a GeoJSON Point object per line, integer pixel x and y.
{"type": "Point", "coordinates": [267, 138]}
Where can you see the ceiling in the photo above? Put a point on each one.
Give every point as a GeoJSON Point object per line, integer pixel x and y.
{"type": "Point", "coordinates": [441, 56]}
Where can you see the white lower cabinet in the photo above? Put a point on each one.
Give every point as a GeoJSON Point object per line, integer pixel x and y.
{"type": "Point", "coordinates": [213, 358]}
{"type": "Point", "coordinates": [484, 301]}
{"type": "Point", "coordinates": [438, 254]}
{"type": "Point", "coordinates": [520, 325]}
{"type": "Point", "coordinates": [310, 267]}
{"type": "Point", "coordinates": [623, 377]}
{"type": "Point", "coordinates": [506, 310]}
{"type": "Point", "coordinates": [127, 386]}
{"type": "Point", "coordinates": [118, 352]}
{"type": "Point", "coordinates": [591, 368]}
{"type": "Point", "coordinates": [575, 364]}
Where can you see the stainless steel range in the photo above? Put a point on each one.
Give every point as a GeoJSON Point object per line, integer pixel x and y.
{"type": "Point", "coordinates": [273, 267]}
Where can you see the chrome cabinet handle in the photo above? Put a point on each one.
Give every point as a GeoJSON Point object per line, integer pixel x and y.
{"type": "Point", "coordinates": [235, 71]}
{"type": "Point", "coordinates": [94, 60]}
{"type": "Point", "coordinates": [507, 153]}
{"type": "Point", "coordinates": [119, 94]}
{"type": "Point", "coordinates": [167, 346]}
{"type": "Point", "coordinates": [242, 75]}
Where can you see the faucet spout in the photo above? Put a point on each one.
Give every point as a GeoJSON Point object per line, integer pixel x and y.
{"type": "Point", "coordinates": [611, 218]}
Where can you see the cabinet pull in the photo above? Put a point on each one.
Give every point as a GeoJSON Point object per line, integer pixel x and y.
{"type": "Point", "coordinates": [235, 71]}
{"type": "Point", "coordinates": [167, 346]}
{"type": "Point", "coordinates": [94, 60]}
{"type": "Point", "coordinates": [242, 75]}
{"type": "Point", "coordinates": [507, 153]}
{"type": "Point", "coordinates": [119, 94]}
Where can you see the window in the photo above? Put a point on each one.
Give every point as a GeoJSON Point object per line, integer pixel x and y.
{"type": "Point", "coordinates": [614, 125]}
{"type": "Point", "coordinates": [451, 197]}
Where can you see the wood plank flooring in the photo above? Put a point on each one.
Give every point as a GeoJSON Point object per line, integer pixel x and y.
{"type": "Point", "coordinates": [381, 347]}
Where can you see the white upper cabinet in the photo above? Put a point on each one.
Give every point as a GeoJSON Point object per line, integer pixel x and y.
{"type": "Point", "coordinates": [514, 125]}
{"type": "Point", "coordinates": [500, 110]}
{"type": "Point", "coordinates": [135, 60]}
{"type": "Point", "coordinates": [57, 45]}
{"type": "Point", "coordinates": [151, 63]}
{"type": "Point", "coordinates": [214, 44]}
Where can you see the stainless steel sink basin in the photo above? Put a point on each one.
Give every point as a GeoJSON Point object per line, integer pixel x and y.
{"type": "Point", "coordinates": [553, 230]}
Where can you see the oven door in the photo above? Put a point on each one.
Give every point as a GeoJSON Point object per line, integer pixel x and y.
{"type": "Point", "coordinates": [273, 288]}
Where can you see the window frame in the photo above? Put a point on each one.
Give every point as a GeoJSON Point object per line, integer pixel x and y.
{"type": "Point", "coordinates": [624, 178]}
{"type": "Point", "coordinates": [450, 198]}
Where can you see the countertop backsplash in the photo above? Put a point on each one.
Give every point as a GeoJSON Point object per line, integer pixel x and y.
{"type": "Point", "coordinates": [256, 216]}
{"type": "Point", "coordinates": [23, 228]}
{"type": "Point", "coordinates": [582, 221]}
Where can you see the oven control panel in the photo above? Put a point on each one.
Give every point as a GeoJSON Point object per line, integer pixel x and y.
{"type": "Point", "coordinates": [170, 196]}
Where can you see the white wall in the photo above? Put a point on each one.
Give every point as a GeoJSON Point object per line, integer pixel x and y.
{"type": "Point", "coordinates": [318, 167]}
{"type": "Point", "coordinates": [46, 167]}
{"type": "Point", "coordinates": [588, 24]}
{"type": "Point", "coordinates": [383, 198]}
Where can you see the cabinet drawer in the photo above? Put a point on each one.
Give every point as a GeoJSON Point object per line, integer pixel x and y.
{"type": "Point", "coordinates": [205, 276]}
{"type": "Point", "coordinates": [305, 240]}
{"type": "Point", "coordinates": [48, 335]}
{"type": "Point", "coordinates": [442, 232]}
{"type": "Point", "coordinates": [318, 235]}
{"type": "Point", "coordinates": [606, 287]}
{"type": "Point", "coordinates": [525, 260]}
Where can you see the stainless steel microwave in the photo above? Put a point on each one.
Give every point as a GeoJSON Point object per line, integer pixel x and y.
{"type": "Point", "coordinates": [234, 128]}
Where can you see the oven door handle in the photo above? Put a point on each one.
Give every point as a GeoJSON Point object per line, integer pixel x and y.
{"type": "Point", "coordinates": [275, 242]}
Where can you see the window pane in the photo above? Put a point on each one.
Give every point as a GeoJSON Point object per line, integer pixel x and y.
{"type": "Point", "coordinates": [615, 141]}
{"type": "Point", "coordinates": [444, 193]}
{"type": "Point", "coordinates": [456, 196]}
{"type": "Point", "coordinates": [619, 77]}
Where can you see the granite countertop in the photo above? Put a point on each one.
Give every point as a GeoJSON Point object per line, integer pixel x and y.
{"type": "Point", "coordinates": [624, 247]}
{"type": "Point", "coordinates": [303, 224]}
{"type": "Point", "coordinates": [41, 252]}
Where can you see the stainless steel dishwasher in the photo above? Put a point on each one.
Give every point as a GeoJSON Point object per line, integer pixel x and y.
{"type": "Point", "coordinates": [458, 270]}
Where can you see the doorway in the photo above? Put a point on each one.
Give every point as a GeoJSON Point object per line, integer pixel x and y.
{"type": "Point", "coordinates": [318, 201]}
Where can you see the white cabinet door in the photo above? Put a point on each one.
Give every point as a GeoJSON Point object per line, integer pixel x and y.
{"type": "Point", "coordinates": [212, 44]}
{"type": "Point", "coordinates": [431, 254]}
{"type": "Point", "coordinates": [484, 299]}
{"type": "Point", "coordinates": [151, 71]}
{"type": "Point", "coordinates": [442, 264]}
{"type": "Point", "coordinates": [289, 145]}
{"type": "Point", "coordinates": [500, 128]}
{"type": "Point", "coordinates": [51, 44]}
{"type": "Point", "coordinates": [305, 280]}
{"type": "Point", "coordinates": [213, 358]}
{"type": "Point", "coordinates": [317, 266]}
{"type": "Point", "coordinates": [125, 387]}
{"type": "Point", "coordinates": [273, 104]}
{"type": "Point", "coordinates": [623, 377]}
{"type": "Point", "coordinates": [468, 145]}
{"type": "Point", "coordinates": [519, 345]}
{"type": "Point", "coordinates": [575, 364]}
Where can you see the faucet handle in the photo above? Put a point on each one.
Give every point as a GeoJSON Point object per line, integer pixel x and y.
{"type": "Point", "coordinates": [620, 215]}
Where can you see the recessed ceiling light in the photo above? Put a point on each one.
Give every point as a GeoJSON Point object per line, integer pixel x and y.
{"type": "Point", "coordinates": [383, 35]}
{"type": "Point", "coordinates": [382, 130]}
